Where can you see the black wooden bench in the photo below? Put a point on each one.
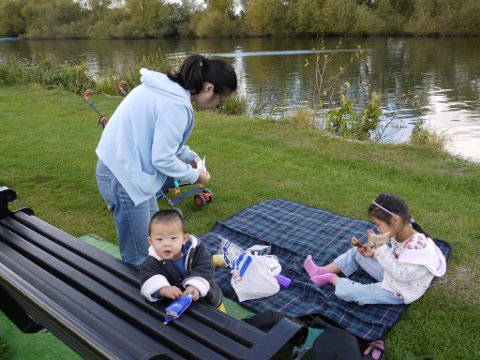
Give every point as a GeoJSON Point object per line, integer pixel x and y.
{"type": "Point", "coordinates": [91, 301]}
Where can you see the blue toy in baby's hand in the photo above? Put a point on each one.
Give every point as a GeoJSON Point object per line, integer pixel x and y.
{"type": "Point", "coordinates": [177, 308]}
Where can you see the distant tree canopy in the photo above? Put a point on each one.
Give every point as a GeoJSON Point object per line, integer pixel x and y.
{"type": "Point", "coordinates": [67, 19]}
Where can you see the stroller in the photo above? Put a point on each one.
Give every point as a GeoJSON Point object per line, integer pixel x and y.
{"type": "Point", "coordinates": [201, 195]}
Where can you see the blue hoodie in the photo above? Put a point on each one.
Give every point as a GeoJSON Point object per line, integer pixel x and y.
{"type": "Point", "coordinates": [144, 141]}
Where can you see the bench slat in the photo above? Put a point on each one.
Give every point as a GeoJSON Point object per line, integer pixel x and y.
{"type": "Point", "coordinates": [85, 250]}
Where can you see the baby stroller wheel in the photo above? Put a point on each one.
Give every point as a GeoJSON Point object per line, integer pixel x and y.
{"type": "Point", "coordinates": [207, 193]}
{"type": "Point", "coordinates": [199, 200]}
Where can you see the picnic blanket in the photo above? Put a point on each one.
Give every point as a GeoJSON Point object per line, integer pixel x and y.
{"type": "Point", "coordinates": [293, 231]}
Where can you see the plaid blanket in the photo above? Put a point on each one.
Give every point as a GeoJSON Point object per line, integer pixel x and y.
{"type": "Point", "coordinates": [293, 231]}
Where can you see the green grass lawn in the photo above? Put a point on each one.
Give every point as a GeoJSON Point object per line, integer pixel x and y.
{"type": "Point", "coordinates": [47, 155]}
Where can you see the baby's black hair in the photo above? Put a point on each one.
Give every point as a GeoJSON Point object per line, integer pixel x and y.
{"type": "Point", "coordinates": [166, 216]}
{"type": "Point", "coordinates": [390, 203]}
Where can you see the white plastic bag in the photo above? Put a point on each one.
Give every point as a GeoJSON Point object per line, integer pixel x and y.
{"type": "Point", "coordinates": [253, 276]}
{"type": "Point", "coordinates": [229, 250]}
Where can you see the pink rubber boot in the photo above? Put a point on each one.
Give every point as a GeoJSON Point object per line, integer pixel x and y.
{"type": "Point", "coordinates": [324, 279]}
{"type": "Point", "coordinates": [311, 268]}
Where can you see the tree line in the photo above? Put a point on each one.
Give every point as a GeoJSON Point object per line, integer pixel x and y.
{"type": "Point", "coordinates": [129, 19]}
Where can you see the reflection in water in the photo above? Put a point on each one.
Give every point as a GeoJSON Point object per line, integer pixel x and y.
{"type": "Point", "coordinates": [459, 124]}
{"type": "Point", "coordinates": [436, 80]}
{"type": "Point", "coordinates": [237, 54]}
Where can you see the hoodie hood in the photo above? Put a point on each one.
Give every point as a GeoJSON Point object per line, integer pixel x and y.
{"type": "Point", "coordinates": [431, 257]}
{"type": "Point", "coordinates": [161, 83]}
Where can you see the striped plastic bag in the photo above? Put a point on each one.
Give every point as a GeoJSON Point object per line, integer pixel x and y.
{"type": "Point", "coordinates": [253, 276]}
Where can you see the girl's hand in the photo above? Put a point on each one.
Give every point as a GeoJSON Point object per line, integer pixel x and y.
{"type": "Point", "coordinates": [366, 251]}
{"type": "Point", "coordinates": [203, 178]}
{"type": "Point", "coordinates": [194, 291]}
{"type": "Point", "coordinates": [170, 292]}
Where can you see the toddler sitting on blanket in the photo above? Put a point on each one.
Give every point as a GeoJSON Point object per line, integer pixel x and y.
{"type": "Point", "coordinates": [403, 267]}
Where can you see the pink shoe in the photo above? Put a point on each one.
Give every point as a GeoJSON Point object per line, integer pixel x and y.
{"type": "Point", "coordinates": [375, 350]}
{"type": "Point", "coordinates": [311, 268]}
{"type": "Point", "coordinates": [324, 279]}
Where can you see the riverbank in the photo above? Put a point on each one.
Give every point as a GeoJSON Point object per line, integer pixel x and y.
{"type": "Point", "coordinates": [47, 156]}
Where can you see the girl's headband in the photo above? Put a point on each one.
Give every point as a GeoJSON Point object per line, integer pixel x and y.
{"type": "Point", "coordinates": [384, 209]}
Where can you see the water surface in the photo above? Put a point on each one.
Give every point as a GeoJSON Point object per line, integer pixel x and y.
{"type": "Point", "coordinates": [434, 80]}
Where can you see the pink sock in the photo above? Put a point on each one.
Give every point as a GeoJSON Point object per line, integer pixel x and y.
{"type": "Point", "coordinates": [311, 268]}
{"type": "Point", "coordinates": [324, 279]}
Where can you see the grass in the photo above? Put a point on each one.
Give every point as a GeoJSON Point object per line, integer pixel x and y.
{"type": "Point", "coordinates": [47, 147]}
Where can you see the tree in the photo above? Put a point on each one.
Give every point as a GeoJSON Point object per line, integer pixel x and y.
{"type": "Point", "coordinates": [308, 16]}
{"type": "Point", "coordinates": [98, 8]}
{"type": "Point", "coordinates": [338, 16]}
{"type": "Point", "coordinates": [225, 7]}
{"type": "Point", "coordinates": [12, 22]}
{"type": "Point", "coordinates": [266, 17]}
{"type": "Point", "coordinates": [67, 11]}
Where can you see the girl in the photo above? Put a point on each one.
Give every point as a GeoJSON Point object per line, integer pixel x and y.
{"type": "Point", "coordinates": [403, 269]}
{"type": "Point", "coordinates": [143, 144]}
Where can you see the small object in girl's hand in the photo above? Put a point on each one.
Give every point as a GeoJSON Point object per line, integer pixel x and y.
{"type": "Point", "coordinates": [177, 308]}
{"type": "Point", "coordinates": [356, 243]}
{"type": "Point", "coordinates": [375, 240]}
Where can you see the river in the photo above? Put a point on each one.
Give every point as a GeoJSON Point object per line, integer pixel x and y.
{"type": "Point", "coordinates": [436, 80]}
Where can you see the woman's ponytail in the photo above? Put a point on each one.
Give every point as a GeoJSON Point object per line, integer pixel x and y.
{"type": "Point", "coordinates": [190, 75]}
{"type": "Point", "coordinates": [197, 69]}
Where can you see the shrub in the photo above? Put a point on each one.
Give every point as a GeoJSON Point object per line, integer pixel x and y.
{"type": "Point", "coordinates": [46, 71]}
{"type": "Point", "coordinates": [422, 136]}
{"type": "Point", "coordinates": [235, 105]}
{"type": "Point", "coordinates": [346, 122]}
{"type": "Point", "coordinates": [302, 118]}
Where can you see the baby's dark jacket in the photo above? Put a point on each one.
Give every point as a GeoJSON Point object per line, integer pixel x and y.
{"type": "Point", "coordinates": [156, 273]}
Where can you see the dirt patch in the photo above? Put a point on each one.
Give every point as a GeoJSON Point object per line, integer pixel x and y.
{"type": "Point", "coordinates": [461, 281]}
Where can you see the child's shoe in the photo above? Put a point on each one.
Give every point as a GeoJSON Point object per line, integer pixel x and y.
{"type": "Point", "coordinates": [311, 268]}
{"type": "Point", "coordinates": [324, 279]}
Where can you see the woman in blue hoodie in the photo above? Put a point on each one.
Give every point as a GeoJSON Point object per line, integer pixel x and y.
{"type": "Point", "coordinates": [143, 144]}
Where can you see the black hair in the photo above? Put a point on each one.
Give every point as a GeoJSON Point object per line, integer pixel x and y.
{"type": "Point", "coordinates": [166, 216]}
{"type": "Point", "coordinates": [396, 205]}
{"type": "Point", "coordinates": [197, 69]}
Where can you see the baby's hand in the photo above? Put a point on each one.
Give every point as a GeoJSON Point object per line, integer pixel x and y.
{"type": "Point", "coordinates": [170, 292]}
{"type": "Point", "coordinates": [194, 291]}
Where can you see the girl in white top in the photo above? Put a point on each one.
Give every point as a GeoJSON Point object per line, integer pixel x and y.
{"type": "Point", "coordinates": [403, 266]}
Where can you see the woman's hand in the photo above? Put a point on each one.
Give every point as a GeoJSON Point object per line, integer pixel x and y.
{"type": "Point", "coordinates": [195, 293]}
{"type": "Point", "coordinates": [366, 251]}
{"type": "Point", "coordinates": [170, 292]}
{"type": "Point", "coordinates": [203, 178]}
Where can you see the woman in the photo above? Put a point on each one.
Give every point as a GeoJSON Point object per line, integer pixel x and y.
{"type": "Point", "coordinates": [143, 144]}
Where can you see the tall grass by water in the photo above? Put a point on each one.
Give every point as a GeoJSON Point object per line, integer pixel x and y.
{"type": "Point", "coordinates": [48, 157]}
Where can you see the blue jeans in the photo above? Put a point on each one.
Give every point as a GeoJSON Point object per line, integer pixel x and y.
{"type": "Point", "coordinates": [131, 222]}
{"type": "Point", "coordinates": [363, 294]}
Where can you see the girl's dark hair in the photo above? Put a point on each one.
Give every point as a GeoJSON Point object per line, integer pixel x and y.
{"type": "Point", "coordinates": [396, 205]}
{"type": "Point", "coordinates": [196, 69]}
